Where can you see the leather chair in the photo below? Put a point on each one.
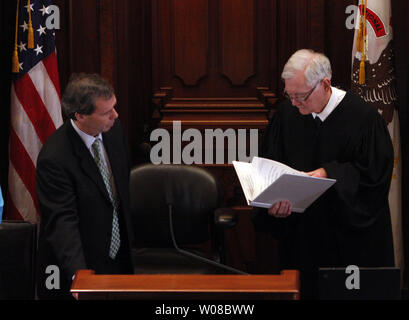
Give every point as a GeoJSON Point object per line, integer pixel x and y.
{"type": "Point", "coordinates": [192, 194]}
{"type": "Point", "coordinates": [18, 241]}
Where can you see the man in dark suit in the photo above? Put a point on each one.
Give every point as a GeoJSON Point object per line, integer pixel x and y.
{"type": "Point", "coordinates": [83, 190]}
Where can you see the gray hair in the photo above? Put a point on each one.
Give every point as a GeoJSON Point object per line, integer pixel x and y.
{"type": "Point", "coordinates": [81, 92]}
{"type": "Point", "coordinates": [316, 66]}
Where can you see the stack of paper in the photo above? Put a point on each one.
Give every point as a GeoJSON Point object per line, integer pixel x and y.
{"type": "Point", "coordinates": [266, 182]}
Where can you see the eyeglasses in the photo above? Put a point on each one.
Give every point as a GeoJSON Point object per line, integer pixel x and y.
{"type": "Point", "coordinates": [301, 97]}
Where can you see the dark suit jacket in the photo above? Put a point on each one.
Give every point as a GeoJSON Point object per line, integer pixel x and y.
{"type": "Point", "coordinates": [76, 221]}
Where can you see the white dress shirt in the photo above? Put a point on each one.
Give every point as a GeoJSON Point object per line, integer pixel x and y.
{"type": "Point", "coordinates": [88, 141]}
{"type": "Point", "coordinates": [336, 97]}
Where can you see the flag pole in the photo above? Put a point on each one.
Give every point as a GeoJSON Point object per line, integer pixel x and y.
{"type": "Point", "coordinates": [363, 57]}
{"type": "Point", "coordinates": [15, 62]}
{"type": "Point", "coordinates": [30, 28]}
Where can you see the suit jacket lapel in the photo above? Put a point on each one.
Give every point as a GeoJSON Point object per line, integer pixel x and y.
{"type": "Point", "coordinates": [87, 162]}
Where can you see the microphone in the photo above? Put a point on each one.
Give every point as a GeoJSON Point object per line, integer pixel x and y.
{"type": "Point", "coordinates": [169, 202]}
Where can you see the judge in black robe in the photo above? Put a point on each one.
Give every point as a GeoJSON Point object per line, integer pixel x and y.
{"type": "Point", "coordinates": [350, 223]}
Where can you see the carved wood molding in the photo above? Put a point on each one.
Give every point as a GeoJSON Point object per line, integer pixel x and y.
{"type": "Point", "coordinates": [244, 112]}
{"type": "Point", "coordinates": [159, 100]}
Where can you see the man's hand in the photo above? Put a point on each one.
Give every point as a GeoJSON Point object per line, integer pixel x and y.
{"type": "Point", "coordinates": [319, 173]}
{"type": "Point", "coordinates": [281, 209]}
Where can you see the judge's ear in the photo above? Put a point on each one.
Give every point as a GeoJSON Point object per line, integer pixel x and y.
{"type": "Point", "coordinates": [327, 83]}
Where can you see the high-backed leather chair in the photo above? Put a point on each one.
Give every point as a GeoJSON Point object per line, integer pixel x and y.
{"type": "Point", "coordinates": [192, 194]}
{"type": "Point", "coordinates": [17, 260]}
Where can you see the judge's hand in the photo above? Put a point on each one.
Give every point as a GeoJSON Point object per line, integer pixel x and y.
{"type": "Point", "coordinates": [319, 173]}
{"type": "Point", "coordinates": [281, 209]}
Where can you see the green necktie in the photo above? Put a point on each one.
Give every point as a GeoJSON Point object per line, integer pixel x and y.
{"type": "Point", "coordinates": [115, 238]}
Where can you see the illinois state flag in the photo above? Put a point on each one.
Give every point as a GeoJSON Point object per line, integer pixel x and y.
{"type": "Point", "coordinates": [373, 78]}
{"type": "Point", "coordinates": [35, 104]}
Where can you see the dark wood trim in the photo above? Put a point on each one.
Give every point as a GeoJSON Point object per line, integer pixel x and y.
{"type": "Point", "coordinates": [107, 39]}
{"type": "Point", "coordinates": [88, 285]}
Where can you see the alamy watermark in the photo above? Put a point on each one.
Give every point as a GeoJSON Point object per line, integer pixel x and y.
{"type": "Point", "coordinates": [52, 22]}
{"type": "Point", "coordinates": [353, 282]}
{"type": "Point", "coordinates": [350, 22]}
{"type": "Point", "coordinates": [52, 282]}
{"type": "Point", "coordinates": [169, 149]}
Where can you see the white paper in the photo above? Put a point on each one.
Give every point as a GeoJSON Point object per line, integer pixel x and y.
{"type": "Point", "coordinates": [244, 172]}
{"type": "Point", "coordinates": [265, 182]}
{"type": "Point", "coordinates": [268, 171]}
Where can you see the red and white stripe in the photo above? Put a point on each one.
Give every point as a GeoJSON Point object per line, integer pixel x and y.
{"type": "Point", "coordinates": [35, 115]}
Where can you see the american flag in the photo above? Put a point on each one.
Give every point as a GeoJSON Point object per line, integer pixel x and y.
{"type": "Point", "coordinates": [35, 105]}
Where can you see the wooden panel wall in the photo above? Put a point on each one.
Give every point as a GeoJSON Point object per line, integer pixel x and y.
{"type": "Point", "coordinates": [112, 38]}
{"type": "Point", "coordinates": [189, 40]}
{"type": "Point", "coordinates": [196, 45]}
{"type": "Point", "coordinates": [208, 48]}
{"type": "Point", "coordinates": [338, 41]}
{"type": "Point", "coordinates": [237, 35]}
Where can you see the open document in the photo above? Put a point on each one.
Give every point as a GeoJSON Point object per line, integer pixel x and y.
{"type": "Point", "coordinates": [266, 182]}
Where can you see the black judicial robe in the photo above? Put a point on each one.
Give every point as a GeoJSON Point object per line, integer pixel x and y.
{"type": "Point", "coordinates": [350, 223]}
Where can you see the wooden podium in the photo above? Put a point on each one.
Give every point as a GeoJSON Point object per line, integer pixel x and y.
{"type": "Point", "coordinates": [87, 285]}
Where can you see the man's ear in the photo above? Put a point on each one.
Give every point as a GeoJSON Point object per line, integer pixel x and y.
{"type": "Point", "coordinates": [78, 116]}
{"type": "Point", "coordinates": [327, 83]}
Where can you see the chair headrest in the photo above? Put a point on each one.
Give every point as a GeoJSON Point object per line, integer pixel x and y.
{"type": "Point", "coordinates": [175, 183]}
{"type": "Point", "coordinates": [192, 191]}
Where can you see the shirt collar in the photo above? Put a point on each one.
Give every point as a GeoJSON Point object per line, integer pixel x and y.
{"type": "Point", "coordinates": [88, 139]}
{"type": "Point", "coordinates": [336, 97]}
